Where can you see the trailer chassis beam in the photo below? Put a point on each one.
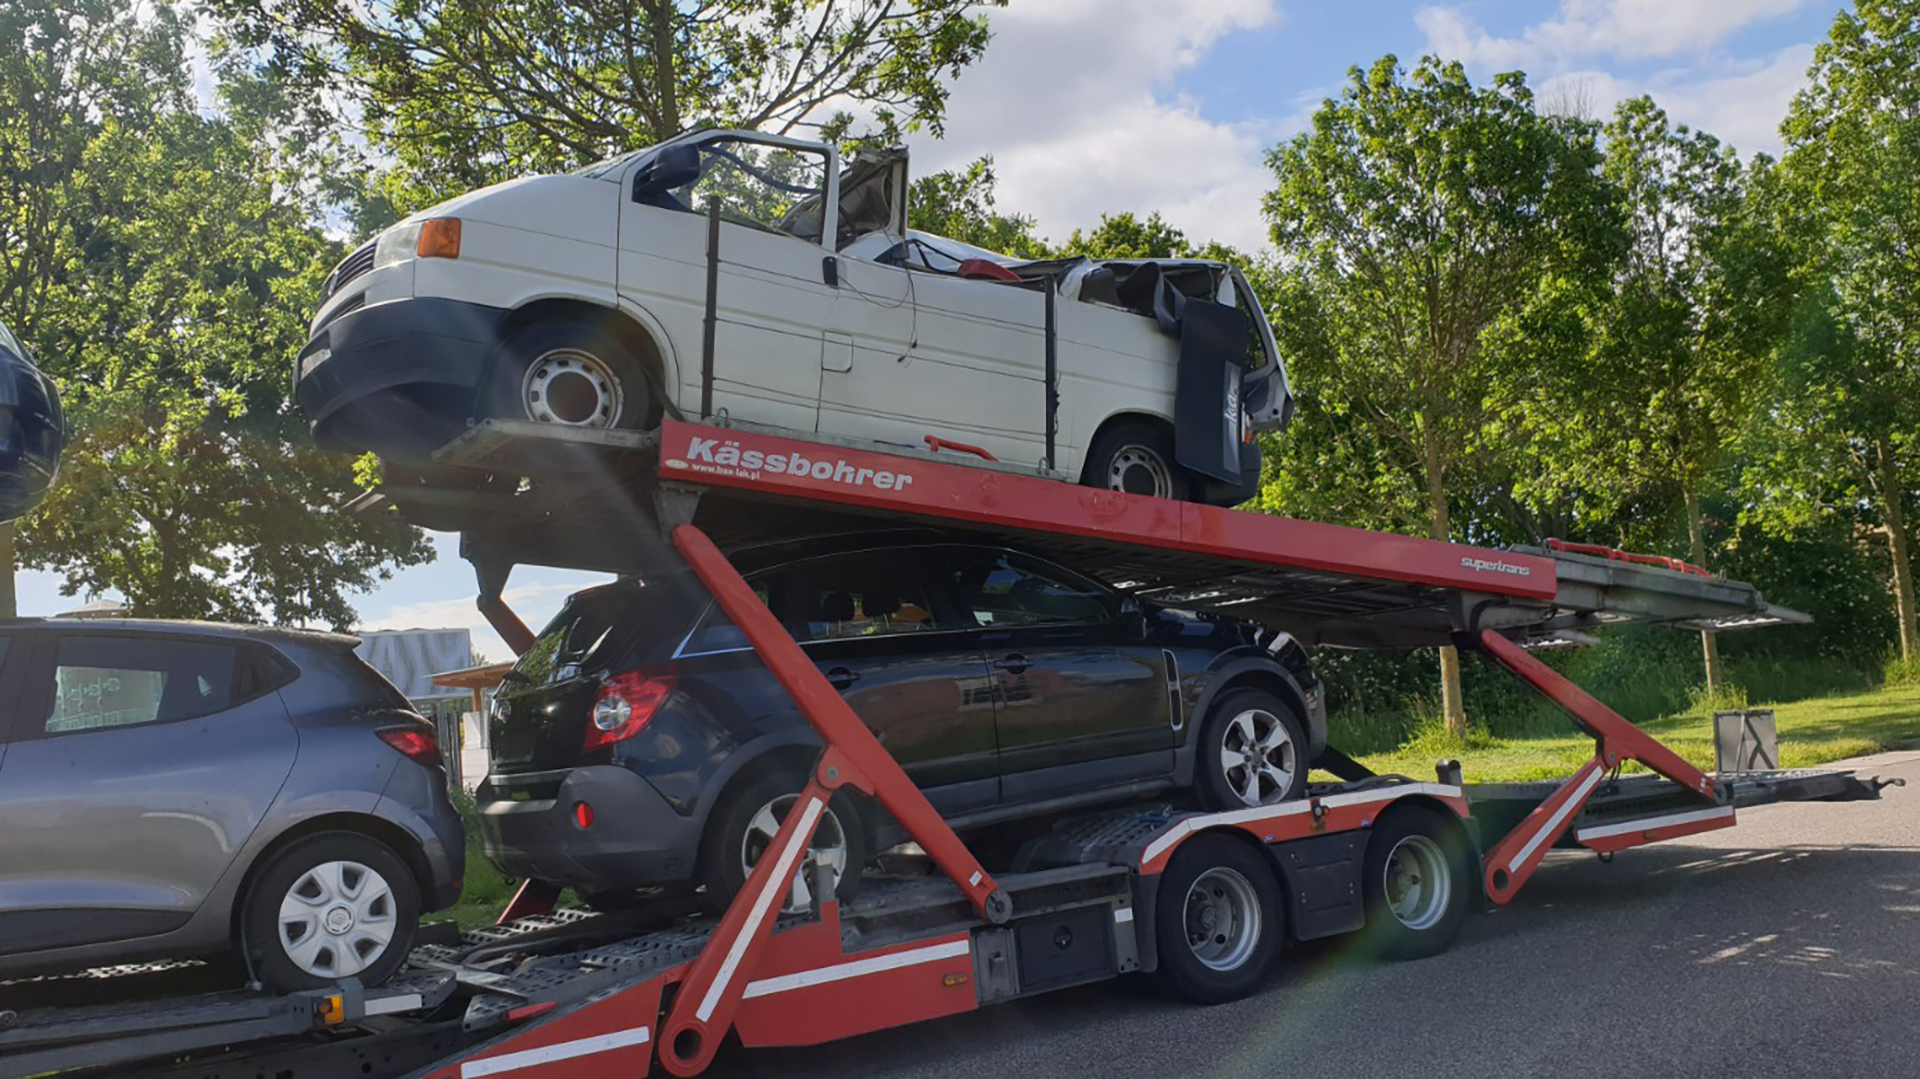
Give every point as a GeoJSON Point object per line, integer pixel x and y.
{"type": "Point", "coordinates": [1511, 861]}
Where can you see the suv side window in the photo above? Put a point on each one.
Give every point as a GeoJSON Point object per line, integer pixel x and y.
{"type": "Point", "coordinates": [1000, 588]}
{"type": "Point", "coordinates": [716, 632]}
{"type": "Point", "coordinates": [865, 594]}
{"type": "Point", "coordinates": [106, 681]}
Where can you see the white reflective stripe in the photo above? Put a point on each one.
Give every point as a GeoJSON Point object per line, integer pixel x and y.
{"type": "Point", "coordinates": [1286, 809]}
{"type": "Point", "coordinates": [405, 1002]}
{"type": "Point", "coordinates": [841, 971]}
{"type": "Point", "coordinates": [527, 1058]}
{"type": "Point", "coordinates": [1439, 790]}
{"type": "Point", "coordinates": [974, 881]}
{"type": "Point", "coordinates": [1123, 914]}
{"type": "Point", "coordinates": [780, 882]}
{"type": "Point", "coordinates": [1650, 823]}
{"type": "Point", "coordinates": [1559, 815]}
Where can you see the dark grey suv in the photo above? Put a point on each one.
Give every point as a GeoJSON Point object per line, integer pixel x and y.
{"type": "Point", "coordinates": [173, 789]}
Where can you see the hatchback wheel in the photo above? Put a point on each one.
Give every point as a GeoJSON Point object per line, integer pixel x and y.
{"type": "Point", "coordinates": [330, 906]}
{"type": "Point", "coordinates": [1253, 752]}
{"type": "Point", "coordinates": [742, 831]}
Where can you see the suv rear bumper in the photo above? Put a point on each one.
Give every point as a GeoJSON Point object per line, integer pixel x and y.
{"type": "Point", "coordinates": [637, 838]}
{"type": "Point", "coordinates": [411, 365]}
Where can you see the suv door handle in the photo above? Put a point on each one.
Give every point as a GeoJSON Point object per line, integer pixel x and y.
{"type": "Point", "coordinates": [1013, 662]}
{"type": "Point", "coordinates": [842, 677]}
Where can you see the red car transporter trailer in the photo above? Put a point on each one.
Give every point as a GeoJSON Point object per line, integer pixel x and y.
{"type": "Point", "coordinates": [1203, 900]}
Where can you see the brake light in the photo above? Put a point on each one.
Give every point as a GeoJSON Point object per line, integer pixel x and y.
{"type": "Point", "coordinates": [627, 701]}
{"type": "Point", "coordinates": [415, 740]}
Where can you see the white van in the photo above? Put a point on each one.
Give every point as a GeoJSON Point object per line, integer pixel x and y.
{"type": "Point", "coordinates": [597, 299]}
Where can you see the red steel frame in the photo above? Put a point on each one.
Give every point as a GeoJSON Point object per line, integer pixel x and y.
{"type": "Point", "coordinates": [800, 988]}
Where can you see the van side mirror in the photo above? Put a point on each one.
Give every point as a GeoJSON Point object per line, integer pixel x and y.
{"type": "Point", "coordinates": [676, 166]}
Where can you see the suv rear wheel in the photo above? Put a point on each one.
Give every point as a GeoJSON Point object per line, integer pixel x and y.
{"type": "Point", "coordinates": [330, 906]}
{"type": "Point", "coordinates": [742, 830]}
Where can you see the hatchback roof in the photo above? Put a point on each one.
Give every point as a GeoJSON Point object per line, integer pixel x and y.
{"type": "Point", "coordinates": [171, 625]}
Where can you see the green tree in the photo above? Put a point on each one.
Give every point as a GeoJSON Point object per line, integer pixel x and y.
{"type": "Point", "coordinates": [1685, 339]}
{"type": "Point", "coordinates": [464, 93]}
{"type": "Point", "coordinates": [959, 204]}
{"type": "Point", "coordinates": [1431, 228]}
{"type": "Point", "coordinates": [1124, 236]}
{"type": "Point", "coordinates": [183, 266]}
{"type": "Point", "coordinates": [1848, 425]}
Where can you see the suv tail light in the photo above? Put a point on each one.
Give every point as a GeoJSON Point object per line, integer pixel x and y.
{"type": "Point", "coordinates": [415, 740]}
{"type": "Point", "coordinates": [627, 701]}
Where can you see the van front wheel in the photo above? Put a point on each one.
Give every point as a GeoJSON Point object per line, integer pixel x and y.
{"type": "Point", "coordinates": [570, 374]}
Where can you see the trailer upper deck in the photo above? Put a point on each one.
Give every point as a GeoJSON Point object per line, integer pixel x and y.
{"type": "Point", "coordinates": [599, 500]}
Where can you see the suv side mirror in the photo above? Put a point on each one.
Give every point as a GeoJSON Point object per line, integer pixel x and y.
{"type": "Point", "coordinates": [676, 166]}
{"type": "Point", "coordinates": [1134, 624]}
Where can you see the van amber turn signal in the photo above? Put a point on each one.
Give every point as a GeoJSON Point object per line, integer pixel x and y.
{"type": "Point", "coordinates": [439, 238]}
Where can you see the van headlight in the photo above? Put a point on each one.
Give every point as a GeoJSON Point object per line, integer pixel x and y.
{"type": "Point", "coordinates": [396, 245]}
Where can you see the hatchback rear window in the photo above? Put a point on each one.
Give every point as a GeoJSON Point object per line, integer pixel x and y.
{"type": "Point", "coordinates": [123, 681]}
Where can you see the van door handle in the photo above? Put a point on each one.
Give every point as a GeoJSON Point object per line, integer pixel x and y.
{"type": "Point", "coordinates": [842, 677]}
{"type": "Point", "coordinates": [1014, 663]}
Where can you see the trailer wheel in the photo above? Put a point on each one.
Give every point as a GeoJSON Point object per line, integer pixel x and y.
{"type": "Point", "coordinates": [570, 374]}
{"type": "Point", "coordinates": [1217, 921]}
{"type": "Point", "coordinates": [1415, 877]}
{"type": "Point", "coordinates": [1252, 752]}
{"type": "Point", "coordinates": [744, 825]}
{"type": "Point", "coordinates": [330, 906]}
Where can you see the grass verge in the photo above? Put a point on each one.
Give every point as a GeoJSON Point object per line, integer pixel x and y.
{"type": "Point", "coordinates": [1812, 732]}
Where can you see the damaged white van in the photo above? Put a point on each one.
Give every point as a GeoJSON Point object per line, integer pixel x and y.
{"type": "Point", "coordinates": [747, 278]}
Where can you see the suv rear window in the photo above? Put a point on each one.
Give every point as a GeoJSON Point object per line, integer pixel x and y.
{"type": "Point", "coordinates": [581, 634]}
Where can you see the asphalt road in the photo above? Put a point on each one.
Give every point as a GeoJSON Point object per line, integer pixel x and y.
{"type": "Point", "coordinates": [1786, 946]}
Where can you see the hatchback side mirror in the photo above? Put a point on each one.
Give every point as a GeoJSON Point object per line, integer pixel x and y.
{"type": "Point", "coordinates": [676, 166]}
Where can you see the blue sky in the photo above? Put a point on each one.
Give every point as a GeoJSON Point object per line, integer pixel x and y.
{"type": "Point", "coordinates": [1092, 106]}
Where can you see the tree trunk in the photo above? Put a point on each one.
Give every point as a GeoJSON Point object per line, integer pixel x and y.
{"type": "Point", "coordinates": [1697, 554]}
{"type": "Point", "coordinates": [1896, 520]}
{"type": "Point", "coordinates": [9, 599]}
{"type": "Point", "coordinates": [660, 22]}
{"type": "Point", "coordinates": [1452, 703]}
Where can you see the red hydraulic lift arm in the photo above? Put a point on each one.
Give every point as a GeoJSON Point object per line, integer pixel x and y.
{"type": "Point", "coordinates": [1513, 859]}
{"type": "Point", "coordinates": [711, 990]}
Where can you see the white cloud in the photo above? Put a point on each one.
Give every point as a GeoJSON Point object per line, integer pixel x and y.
{"type": "Point", "coordinates": [1073, 99]}
{"type": "Point", "coordinates": [1625, 29]}
{"type": "Point", "coordinates": [1598, 52]}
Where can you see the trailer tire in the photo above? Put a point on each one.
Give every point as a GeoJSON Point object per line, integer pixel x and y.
{"type": "Point", "coordinates": [1264, 734]}
{"type": "Point", "coordinates": [738, 822]}
{"type": "Point", "coordinates": [1217, 921]}
{"type": "Point", "coordinates": [572, 374]}
{"type": "Point", "coordinates": [349, 892]}
{"type": "Point", "coordinates": [1415, 879]}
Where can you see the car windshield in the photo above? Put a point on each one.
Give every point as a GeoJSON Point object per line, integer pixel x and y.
{"type": "Point", "coordinates": [611, 164]}
{"type": "Point", "coordinates": [8, 342]}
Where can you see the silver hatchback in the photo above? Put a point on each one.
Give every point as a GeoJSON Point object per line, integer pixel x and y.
{"type": "Point", "coordinates": [175, 789]}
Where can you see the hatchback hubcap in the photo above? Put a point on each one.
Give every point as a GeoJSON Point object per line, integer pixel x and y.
{"type": "Point", "coordinates": [1138, 470]}
{"type": "Point", "coordinates": [572, 387]}
{"type": "Point", "coordinates": [1258, 757]}
{"type": "Point", "coordinates": [829, 849]}
{"type": "Point", "coordinates": [337, 919]}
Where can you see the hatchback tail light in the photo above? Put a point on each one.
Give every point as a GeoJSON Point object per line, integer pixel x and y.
{"type": "Point", "coordinates": [627, 701]}
{"type": "Point", "coordinates": [416, 740]}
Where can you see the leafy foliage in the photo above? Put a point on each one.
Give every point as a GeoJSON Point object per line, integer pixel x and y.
{"type": "Point", "coordinates": [164, 277]}
{"type": "Point", "coordinates": [465, 93]}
